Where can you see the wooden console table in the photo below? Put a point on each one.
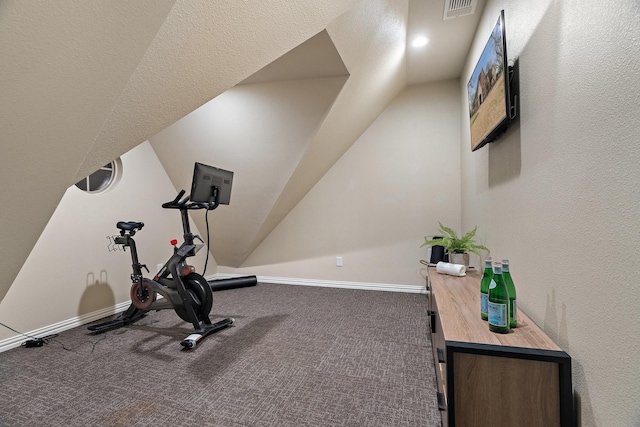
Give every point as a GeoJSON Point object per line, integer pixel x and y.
{"type": "Point", "coordinates": [487, 379]}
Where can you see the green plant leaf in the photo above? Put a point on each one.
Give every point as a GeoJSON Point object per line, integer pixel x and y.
{"type": "Point", "coordinates": [448, 231]}
{"type": "Point", "coordinates": [450, 241]}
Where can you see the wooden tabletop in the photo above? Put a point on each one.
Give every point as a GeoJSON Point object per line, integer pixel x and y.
{"type": "Point", "coordinates": [458, 302]}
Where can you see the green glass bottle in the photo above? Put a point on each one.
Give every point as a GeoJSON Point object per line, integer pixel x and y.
{"type": "Point", "coordinates": [511, 288]}
{"type": "Point", "coordinates": [484, 288]}
{"type": "Point", "coordinates": [498, 302]}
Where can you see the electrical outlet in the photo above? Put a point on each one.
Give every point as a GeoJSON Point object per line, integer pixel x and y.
{"type": "Point", "coordinates": [339, 261]}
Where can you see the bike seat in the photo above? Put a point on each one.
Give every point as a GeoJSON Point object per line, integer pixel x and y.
{"type": "Point", "coordinates": [130, 225]}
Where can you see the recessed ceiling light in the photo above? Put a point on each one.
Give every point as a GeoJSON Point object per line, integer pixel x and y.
{"type": "Point", "coordinates": [419, 41]}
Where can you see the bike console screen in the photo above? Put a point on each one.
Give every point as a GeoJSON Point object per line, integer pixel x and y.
{"type": "Point", "coordinates": [206, 179]}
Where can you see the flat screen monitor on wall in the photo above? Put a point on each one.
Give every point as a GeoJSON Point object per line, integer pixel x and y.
{"type": "Point", "coordinates": [206, 179]}
{"type": "Point", "coordinates": [489, 97]}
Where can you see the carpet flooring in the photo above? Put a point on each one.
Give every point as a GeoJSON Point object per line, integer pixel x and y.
{"type": "Point", "coordinates": [296, 356]}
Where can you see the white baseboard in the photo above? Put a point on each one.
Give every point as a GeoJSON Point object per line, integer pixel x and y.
{"type": "Point", "coordinates": [56, 328]}
{"type": "Point", "coordinates": [329, 283]}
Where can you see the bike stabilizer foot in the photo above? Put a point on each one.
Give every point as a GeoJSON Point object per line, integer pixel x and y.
{"type": "Point", "coordinates": [131, 315]}
{"type": "Point", "coordinates": [192, 340]}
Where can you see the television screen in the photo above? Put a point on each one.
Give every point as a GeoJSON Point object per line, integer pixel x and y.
{"type": "Point", "coordinates": [488, 90]}
{"type": "Point", "coordinates": [206, 179]}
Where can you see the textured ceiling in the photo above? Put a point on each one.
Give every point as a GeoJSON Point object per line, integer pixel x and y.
{"type": "Point", "coordinates": [313, 59]}
{"type": "Point", "coordinates": [202, 49]}
{"type": "Point", "coordinates": [83, 83]}
{"type": "Point", "coordinates": [449, 41]}
{"type": "Point", "coordinates": [364, 62]}
{"type": "Point", "coordinates": [358, 68]}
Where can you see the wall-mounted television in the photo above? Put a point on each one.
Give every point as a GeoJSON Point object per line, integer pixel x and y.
{"type": "Point", "coordinates": [489, 90]}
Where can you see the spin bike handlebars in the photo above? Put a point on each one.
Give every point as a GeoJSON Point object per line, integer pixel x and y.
{"type": "Point", "coordinates": [184, 203]}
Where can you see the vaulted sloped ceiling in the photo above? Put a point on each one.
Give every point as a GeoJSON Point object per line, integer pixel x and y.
{"type": "Point", "coordinates": [82, 83]}
{"type": "Point", "coordinates": [260, 130]}
{"type": "Point", "coordinates": [202, 49]}
{"type": "Point", "coordinates": [283, 127]}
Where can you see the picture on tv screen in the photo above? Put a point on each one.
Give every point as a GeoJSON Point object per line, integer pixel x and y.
{"type": "Point", "coordinates": [488, 89]}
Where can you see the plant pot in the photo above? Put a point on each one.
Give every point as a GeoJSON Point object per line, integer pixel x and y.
{"type": "Point", "coordinates": [455, 258]}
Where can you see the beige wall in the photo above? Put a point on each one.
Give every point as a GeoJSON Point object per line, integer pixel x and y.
{"type": "Point", "coordinates": [378, 201]}
{"type": "Point", "coordinates": [258, 131]}
{"type": "Point", "coordinates": [83, 83]}
{"type": "Point", "coordinates": [558, 195]}
{"type": "Point", "coordinates": [70, 271]}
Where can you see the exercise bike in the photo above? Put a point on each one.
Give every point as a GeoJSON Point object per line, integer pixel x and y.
{"type": "Point", "coordinates": [188, 293]}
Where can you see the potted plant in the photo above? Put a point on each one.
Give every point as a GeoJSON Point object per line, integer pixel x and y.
{"type": "Point", "coordinates": [457, 247]}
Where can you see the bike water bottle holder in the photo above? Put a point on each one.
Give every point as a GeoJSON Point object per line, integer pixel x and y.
{"type": "Point", "coordinates": [114, 245]}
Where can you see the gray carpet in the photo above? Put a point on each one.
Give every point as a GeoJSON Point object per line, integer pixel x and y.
{"type": "Point", "coordinates": [296, 356]}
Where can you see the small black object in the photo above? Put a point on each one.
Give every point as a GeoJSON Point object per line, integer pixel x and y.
{"type": "Point", "coordinates": [442, 406]}
{"type": "Point", "coordinates": [34, 343]}
{"type": "Point", "coordinates": [438, 253]}
{"type": "Point", "coordinates": [232, 283]}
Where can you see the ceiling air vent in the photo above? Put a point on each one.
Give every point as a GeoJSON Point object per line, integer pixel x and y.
{"type": "Point", "coordinates": [457, 8]}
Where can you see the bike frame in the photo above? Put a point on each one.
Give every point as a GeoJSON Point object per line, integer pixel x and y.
{"type": "Point", "coordinates": [182, 289]}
